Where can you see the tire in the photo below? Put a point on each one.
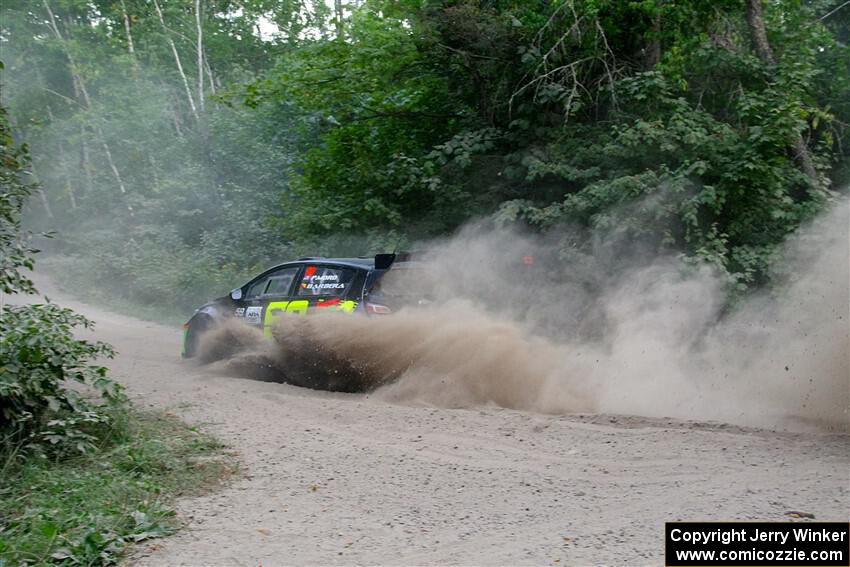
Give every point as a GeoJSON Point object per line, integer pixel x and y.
{"type": "Point", "coordinates": [198, 327]}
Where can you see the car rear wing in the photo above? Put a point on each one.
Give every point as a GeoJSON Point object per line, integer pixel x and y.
{"type": "Point", "coordinates": [384, 261]}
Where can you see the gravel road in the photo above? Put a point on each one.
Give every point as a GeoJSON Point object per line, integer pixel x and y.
{"type": "Point", "coordinates": [347, 479]}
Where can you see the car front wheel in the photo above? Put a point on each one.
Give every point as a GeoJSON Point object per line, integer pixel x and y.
{"type": "Point", "coordinates": [198, 327]}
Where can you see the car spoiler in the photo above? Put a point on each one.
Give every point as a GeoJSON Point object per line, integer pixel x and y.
{"type": "Point", "coordinates": [384, 261]}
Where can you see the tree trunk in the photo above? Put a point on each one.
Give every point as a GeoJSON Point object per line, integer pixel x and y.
{"type": "Point", "coordinates": [189, 96]}
{"type": "Point", "coordinates": [130, 48]}
{"type": "Point", "coordinates": [86, 160]}
{"type": "Point", "coordinates": [42, 195]}
{"type": "Point", "coordinates": [200, 33]}
{"type": "Point", "coordinates": [78, 80]}
{"type": "Point", "coordinates": [338, 12]}
{"type": "Point", "coordinates": [653, 51]}
{"type": "Point", "coordinates": [69, 188]}
{"type": "Point", "coordinates": [758, 33]}
{"type": "Point", "coordinates": [172, 107]}
{"type": "Point", "coordinates": [44, 202]}
{"type": "Point", "coordinates": [209, 74]}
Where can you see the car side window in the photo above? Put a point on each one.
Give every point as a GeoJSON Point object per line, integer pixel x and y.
{"type": "Point", "coordinates": [325, 281]}
{"type": "Point", "coordinates": [257, 288]}
{"type": "Point", "coordinates": [280, 282]}
{"type": "Point", "coordinates": [277, 283]}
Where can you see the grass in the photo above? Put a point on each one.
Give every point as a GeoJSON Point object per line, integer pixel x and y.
{"type": "Point", "coordinates": [87, 509]}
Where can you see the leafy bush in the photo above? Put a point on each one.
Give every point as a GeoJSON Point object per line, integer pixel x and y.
{"type": "Point", "coordinates": [40, 356]}
{"type": "Point", "coordinates": [86, 508]}
{"type": "Point", "coordinates": [15, 252]}
{"type": "Point", "coordinates": [108, 470]}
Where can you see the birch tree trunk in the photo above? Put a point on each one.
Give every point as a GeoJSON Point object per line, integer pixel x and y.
{"type": "Point", "coordinates": [200, 34]}
{"type": "Point", "coordinates": [42, 195]}
{"type": "Point", "coordinates": [44, 201]}
{"type": "Point", "coordinates": [86, 160]}
{"type": "Point", "coordinates": [174, 52]}
{"type": "Point", "coordinates": [209, 73]}
{"type": "Point", "coordinates": [69, 188]}
{"type": "Point", "coordinates": [81, 85]}
{"type": "Point", "coordinates": [758, 33]}
{"type": "Point", "coordinates": [130, 48]}
{"type": "Point", "coordinates": [40, 188]}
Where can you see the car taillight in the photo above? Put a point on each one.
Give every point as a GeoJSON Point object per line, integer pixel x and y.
{"type": "Point", "coordinates": [376, 309]}
{"type": "Point", "coordinates": [185, 326]}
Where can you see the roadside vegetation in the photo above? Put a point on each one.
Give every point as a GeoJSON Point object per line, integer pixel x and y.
{"type": "Point", "coordinates": [183, 145]}
{"type": "Point", "coordinates": [82, 473]}
{"type": "Point", "coordinates": [85, 508]}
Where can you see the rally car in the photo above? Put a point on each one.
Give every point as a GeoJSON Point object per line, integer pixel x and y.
{"type": "Point", "coordinates": [303, 286]}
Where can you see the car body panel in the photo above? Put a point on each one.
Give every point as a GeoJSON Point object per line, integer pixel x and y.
{"type": "Point", "coordinates": [300, 287]}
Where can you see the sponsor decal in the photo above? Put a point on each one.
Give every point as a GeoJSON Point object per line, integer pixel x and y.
{"type": "Point", "coordinates": [240, 312]}
{"type": "Point", "coordinates": [277, 309]}
{"type": "Point", "coordinates": [323, 286]}
{"type": "Point", "coordinates": [337, 304]}
{"type": "Point", "coordinates": [315, 282]}
{"type": "Point", "coordinates": [252, 315]}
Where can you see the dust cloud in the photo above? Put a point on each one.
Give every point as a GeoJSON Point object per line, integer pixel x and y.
{"type": "Point", "coordinates": [531, 324]}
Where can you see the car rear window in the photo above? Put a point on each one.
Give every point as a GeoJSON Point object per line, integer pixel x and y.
{"type": "Point", "coordinates": [325, 280]}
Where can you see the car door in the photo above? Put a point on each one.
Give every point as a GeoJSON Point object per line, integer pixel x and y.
{"type": "Point", "coordinates": [271, 291]}
{"type": "Point", "coordinates": [318, 286]}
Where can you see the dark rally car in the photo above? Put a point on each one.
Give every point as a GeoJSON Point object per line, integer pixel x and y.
{"type": "Point", "coordinates": [306, 285]}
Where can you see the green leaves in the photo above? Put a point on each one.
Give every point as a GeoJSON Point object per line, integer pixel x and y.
{"type": "Point", "coordinates": [15, 250]}
{"type": "Point", "coordinates": [650, 118]}
{"type": "Point", "coordinates": [87, 508]}
{"type": "Point", "coordinates": [40, 355]}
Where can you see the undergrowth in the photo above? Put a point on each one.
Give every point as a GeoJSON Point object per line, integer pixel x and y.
{"type": "Point", "coordinates": [87, 509]}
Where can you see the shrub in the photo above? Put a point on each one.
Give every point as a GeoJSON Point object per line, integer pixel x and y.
{"type": "Point", "coordinates": [39, 355]}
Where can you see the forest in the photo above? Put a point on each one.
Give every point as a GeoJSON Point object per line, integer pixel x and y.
{"type": "Point", "coordinates": [181, 145]}
{"type": "Point", "coordinates": [160, 152]}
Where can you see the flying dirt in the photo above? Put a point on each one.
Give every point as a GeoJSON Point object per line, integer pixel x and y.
{"type": "Point", "coordinates": [392, 477]}
{"type": "Point", "coordinates": [649, 337]}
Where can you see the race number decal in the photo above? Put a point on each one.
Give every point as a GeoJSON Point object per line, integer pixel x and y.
{"type": "Point", "coordinates": [299, 306]}
{"type": "Point", "coordinates": [273, 312]}
{"type": "Point", "coordinates": [276, 309]}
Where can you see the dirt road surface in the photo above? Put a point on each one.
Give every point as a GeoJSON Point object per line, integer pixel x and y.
{"type": "Point", "coordinates": [346, 479]}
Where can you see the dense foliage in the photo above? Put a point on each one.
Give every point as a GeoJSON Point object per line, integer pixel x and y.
{"type": "Point", "coordinates": [39, 354]}
{"type": "Point", "coordinates": [184, 144]}
{"type": "Point", "coordinates": [82, 475]}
